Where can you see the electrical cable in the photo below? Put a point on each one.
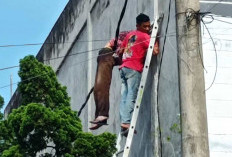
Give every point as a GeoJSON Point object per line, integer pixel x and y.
{"type": "Point", "coordinates": [203, 14]}
{"type": "Point", "coordinates": [221, 151]}
{"type": "Point", "coordinates": [216, 59]}
{"type": "Point", "coordinates": [214, 6]}
{"type": "Point", "coordinates": [46, 73]}
{"type": "Point", "coordinates": [166, 35]}
{"type": "Point", "coordinates": [51, 43]}
{"type": "Point", "coordinates": [214, 17]}
{"type": "Point", "coordinates": [35, 44]}
{"type": "Point", "coordinates": [96, 49]}
{"type": "Point", "coordinates": [78, 62]}
{"type": "Point", "coordinates": [114, 49]}
{"type": "Point", "coordinates": [219, 50]}
{"type": "Point", "coordinates": [219, 38]}
{"type": "Point", "coordinates": [161, 59]}
{"type": "Point", "coordinates": [223, 21]}
{"type": "Point", "coordinates": [10, 67]}
{"type": "Point", "coordinates": [219, 100]}
{"type": "Point", "coordinates": [190, 16]}
{"type": "Point", "coordinates": [78, 53]}
{"type": "Point", "coordinates": [118, 26]}
{"type": "Point", "coordinates": [86, 100]}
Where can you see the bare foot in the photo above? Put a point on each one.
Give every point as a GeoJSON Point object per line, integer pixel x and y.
{"type": "Point", "coordinates": [125, 126]}
{"type": "Point", "coordinates": [99, 119]}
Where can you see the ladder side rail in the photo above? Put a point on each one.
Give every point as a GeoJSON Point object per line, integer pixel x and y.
{"type": "Point", "coordinates": [141, 89]}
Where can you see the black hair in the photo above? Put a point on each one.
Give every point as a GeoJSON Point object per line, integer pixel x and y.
{"type": "Point", "coordinates": [142, 18]}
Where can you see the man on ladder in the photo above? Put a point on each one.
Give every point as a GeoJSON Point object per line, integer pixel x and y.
{"type": "Point", "coordinates": [133, 48]}
{"type": "Point", "coordinates": [144, 46]}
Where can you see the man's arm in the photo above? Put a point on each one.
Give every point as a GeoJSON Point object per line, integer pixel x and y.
{"type": "Point", "coordinates": [121, 37]}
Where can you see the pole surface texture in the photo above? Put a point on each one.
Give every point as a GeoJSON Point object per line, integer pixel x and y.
{"type": "Point", "coordinates": [191, 80]}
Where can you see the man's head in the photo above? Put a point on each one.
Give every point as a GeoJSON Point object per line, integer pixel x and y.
{"type": "Point", "coordinates": [143, 23]}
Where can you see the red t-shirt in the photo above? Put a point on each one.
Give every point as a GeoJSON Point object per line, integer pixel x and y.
{"type": "Point", "coordinates": [135, 46]}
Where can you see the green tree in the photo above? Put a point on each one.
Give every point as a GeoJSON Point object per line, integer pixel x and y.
{"type": "Point", "coordinates": [40, 84]}
{"type": "Point", "coordinates": [1, 105]}
{"type": "Point", "coordinates": [3, 132]}
{"type": "Point", "coordinates": [45, 120]}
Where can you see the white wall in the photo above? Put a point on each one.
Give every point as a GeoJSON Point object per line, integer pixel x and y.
{"type": "Point", "coordinates": [218, 97]}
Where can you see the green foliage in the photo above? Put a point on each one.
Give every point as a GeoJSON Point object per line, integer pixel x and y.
{"type": "Point", "coordinates": [1, 102]}
{"type": "Point", "coordinates": [39, 84]}
{"type": "Point", "coordinates": [1, 105]}
{"type": "Point", "coordinates": [175, 128]}
{"type": "Point", "coordinates": [13, 151]}
{"type": "Point", "coordinates": [35, 125]}
{"type": "Point", "coordinates": [5, 136]}
{"type": "Point", "coordinates": [94, 146]}
{"type": "Point", "coordinates": [45, 120]}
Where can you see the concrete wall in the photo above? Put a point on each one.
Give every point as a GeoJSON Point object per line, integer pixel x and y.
{"type": "Point", "coordinates": [13, 104]}
{"type": "Point", "coordinates": [77, 33]}
{"type": "Point", "coordinates": [168, 87]}
{"type": "Point", "coordinates": [222, 8]}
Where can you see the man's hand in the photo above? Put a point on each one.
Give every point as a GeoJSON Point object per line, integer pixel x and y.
{"type": "Point", "coordinates": [156, 49]}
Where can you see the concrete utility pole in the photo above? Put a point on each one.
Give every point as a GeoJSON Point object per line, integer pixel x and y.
{"type": "Point", "coordinates": [191, 80]}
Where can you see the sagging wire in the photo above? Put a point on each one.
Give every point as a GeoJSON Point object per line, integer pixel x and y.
{"type": "Point", "coordinates": [34, 77]}
{"type": "Point", "coordinates": [223, 21]}
{"type": "Point", "coordinates": [198, 16]}
{"type": "Point", "coordinates": [77, 63]}
{"type": "Point", "coordinates": [159, 36]}
{"type": "Point", "coordinates": [49, 43]}
{"type": "Point", "coordinates": [190, 16]}
{"type": "Point", "coordinates": [78, 53]}
{"type": "Point", "coordinates": [214, 5]}
{"type": "Point", "coordinates": [215, 50]}
{"type": "Point", "coordinates": [159, 73]}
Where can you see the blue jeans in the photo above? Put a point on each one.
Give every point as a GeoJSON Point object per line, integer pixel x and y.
{"type": "Point", "coordinates": [130, 84]}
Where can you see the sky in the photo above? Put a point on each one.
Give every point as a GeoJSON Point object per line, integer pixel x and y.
{"type": "Point", "coordinates": [23, 22]}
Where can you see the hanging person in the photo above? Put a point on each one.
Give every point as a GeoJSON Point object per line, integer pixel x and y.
{"type": "Point", "coordinates": [106, 60]}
